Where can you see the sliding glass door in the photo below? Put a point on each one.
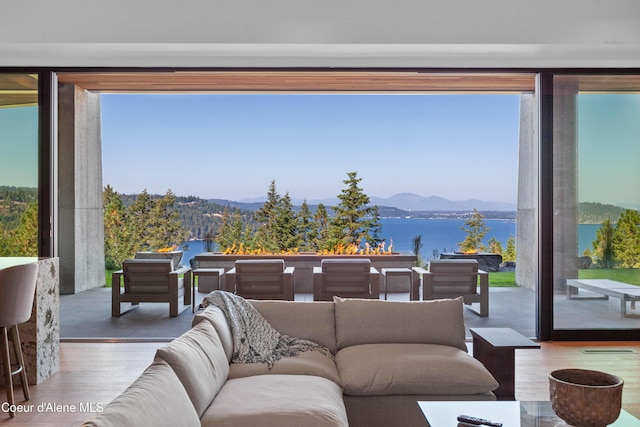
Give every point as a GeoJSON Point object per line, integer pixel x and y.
{"type": "Point", "coordinates": [19, 162]}
{"type": "Point", "coordinates": [596, 198]}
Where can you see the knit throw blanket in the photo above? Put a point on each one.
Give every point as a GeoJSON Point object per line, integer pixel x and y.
{"type": "Point", "coordinates": [254, 339]}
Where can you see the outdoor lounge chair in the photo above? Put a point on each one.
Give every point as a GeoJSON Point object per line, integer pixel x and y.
{"type": "Point", "coordinates": [348, 277]}
{"type": "Point", "coordinates": [151, 280]}
{"type": "Point", "coordinates": [261, 279]}
{"type": "Point", "coordinates": [451, 278]}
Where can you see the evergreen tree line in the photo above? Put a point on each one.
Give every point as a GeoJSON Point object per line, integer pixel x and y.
{"type": "Point", "coordinates": [597, 213]}
{"type": "Point", "coordinates": [279, 229]}
{"type": "Point", "coordinates": [146, 224]}
{"type": "Point", "coordinates": [18, 221]}
{"type": "Point", "coordinates": [618, 244]}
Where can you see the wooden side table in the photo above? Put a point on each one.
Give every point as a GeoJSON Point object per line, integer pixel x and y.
{"type": "Point", "coordinates": [495, 348]}
{"type": "Point", "coordinates": [401, 272]}
{"type": "Point", "coordinates": [209, 279]}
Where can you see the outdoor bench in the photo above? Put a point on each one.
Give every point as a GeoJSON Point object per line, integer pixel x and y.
{"type": "Point", "coordinates": [607, 288]}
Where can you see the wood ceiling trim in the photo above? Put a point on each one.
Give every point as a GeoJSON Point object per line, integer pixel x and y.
{"type": "Point", "coordinates": [285, 81]}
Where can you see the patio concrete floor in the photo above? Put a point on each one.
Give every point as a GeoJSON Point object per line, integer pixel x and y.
{"type": "Point", "coordinates": [87, 315]}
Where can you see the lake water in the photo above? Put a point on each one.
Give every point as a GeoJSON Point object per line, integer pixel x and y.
{"type": "Point", "coordinates": [442, 235]}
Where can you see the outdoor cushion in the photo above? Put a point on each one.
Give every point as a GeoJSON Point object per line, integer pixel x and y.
{"type": "Point", "coordinates": [216, 317]}
{"type": "Point", "coordinates": [156, 398]}
{"type": "Point", "coordinates": [365, 321]}
{"type": "Point", "coordinates": [308, 363]}
{"type": "Point", "coordinates": [199, 362]}
{"type": "Point", "coordinates": [278, 401]}
{"type": "Point", "coordinates": [260, 266]}
{"type": "Point", "coordinates": [346, 265]}
{"type": "Point", "coordinates": [315, 321]}
{"type": "Point", "coordinates": [395, 369]}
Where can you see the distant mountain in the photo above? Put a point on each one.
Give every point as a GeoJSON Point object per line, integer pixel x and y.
{"type": "Point", "coordinates": [408, 202]}
{"type": "Point", "coordinates": [415, 202]}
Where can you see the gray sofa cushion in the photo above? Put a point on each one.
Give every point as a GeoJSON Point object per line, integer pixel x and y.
{"type": "Point", "coordinates": [395, 369]}
{"type": "Point", "coordinates": [156, 398]}
{"type": "Point", "coordinates": [216, 317]}
{"type": "Point", "coordinates": [313, 321]}
{"type": "Point", "coordinates": [307, 363]}
{"type": "Point", "coordinates": [364, 321]}
{"type": "Point", "coordinates": [199, 362]}
{"type": "Point", "coordinates": [277, 401]}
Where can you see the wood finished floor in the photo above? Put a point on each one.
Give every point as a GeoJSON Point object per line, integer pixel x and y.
{"type": "Point", "coordinates": [95, 373]}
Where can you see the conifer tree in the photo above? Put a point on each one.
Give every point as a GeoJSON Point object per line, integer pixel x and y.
{"type": "Point", "coordinates": [510, 253]}
{"type": "Point", "coordinates": [118, 245]}
{"type": "Point", "coordinates": [321, 229]}
{"type": "Point", "coordinates": [475, 229]}
{"type": "Point", "coordinates": [23, 240]}
{"type": "Point", "coordinates": [231, 230]}
{"type": "Point", "coordinates": [355, 221]}
{"type": "Point", "coordinates": [146, 225]}
{"type": "Point", "coordinates": [164, 223]}
{"type": "Point", "coordinates": [495, 247]}
{"type": "Point", "coordinates": [306, 228]}
{"type": "Point", "coordinates": [266, 236]}
{"type": "Point", "coordinates": [603, 245]}
{"type": "Point", "coordinates": [286, 223]}
{"type": "Point", "coordinates": [626, 240]}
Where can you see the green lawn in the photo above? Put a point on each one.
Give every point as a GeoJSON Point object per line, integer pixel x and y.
{"type": "Point", "coordinates": [626, 275]}
{"type": "Point", "coordinates": [107, 278]}
{"type": "Point", "coordinates": [505, 279]}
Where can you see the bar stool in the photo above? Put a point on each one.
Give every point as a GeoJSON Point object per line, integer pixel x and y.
{"type": "Point", "coordinates": [17, 290]}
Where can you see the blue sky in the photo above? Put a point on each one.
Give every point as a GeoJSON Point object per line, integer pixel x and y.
{"type": "Point", "coordinates": [19, 146]}
{"type": "Point", "coordinates": [609, 149]}
{"type": "Point", "coordinates": [232, 146]}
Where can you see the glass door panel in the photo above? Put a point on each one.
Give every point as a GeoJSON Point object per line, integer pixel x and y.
{"type": "Point", "coordinates": [18, 165]}
{"type": "Point", "coordinates": [596, 132]}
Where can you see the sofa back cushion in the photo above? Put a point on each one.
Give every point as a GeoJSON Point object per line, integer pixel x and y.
{"type": "Point", "coordinates": [156, 398]}
{"type": "Point", "coordinates": [363, 321]}
{"type": "Point", "coordinates": [199, 361]}
{"type": "Point", "coordinates": [313, 321]}
{"type": "Point", "coordinates": [216, 317]}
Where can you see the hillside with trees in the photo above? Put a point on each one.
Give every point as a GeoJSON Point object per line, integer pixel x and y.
{"type": "Point", "coordinates": [18, 221]}
{"type": "Point", "coordinates": [597, 213]}
{"type": "Point", "coordinates": [278, 228]}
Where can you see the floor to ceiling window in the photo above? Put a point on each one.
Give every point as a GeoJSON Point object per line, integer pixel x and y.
{"type": "Point", "coordinates": [18, 164]}
{"type": "Point", "coordinates": [460, 100]}
{"type": "Point", "coordinates": [596, 133]}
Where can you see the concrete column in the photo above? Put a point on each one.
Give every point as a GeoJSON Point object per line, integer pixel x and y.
{"type": "Point", "coordinates": [80, 210]}
{"type": "Point", "coordinates": [565, 175]}
{"type": "Point", "coordinates": [527, 215]}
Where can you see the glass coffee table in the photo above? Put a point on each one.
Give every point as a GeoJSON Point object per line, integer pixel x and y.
{"type": "Point", "coordinates": [509, 413]}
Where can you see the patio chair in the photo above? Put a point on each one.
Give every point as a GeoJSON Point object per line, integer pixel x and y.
{"type": "Point", "coordinates": [348, 278]}
{"type": "Point", "coordinates": [451, 278]}
{"type": "Point", "coordinates": [261, 279]}
{"type": "Point", "coordinates": [151, 280]}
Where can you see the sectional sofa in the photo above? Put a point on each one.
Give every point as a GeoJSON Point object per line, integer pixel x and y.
{"type": "Point", "coordinates": [384, 357]}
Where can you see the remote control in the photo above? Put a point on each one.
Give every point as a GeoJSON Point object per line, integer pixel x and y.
{"type": "Point", "coordinates": [478, 421]}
